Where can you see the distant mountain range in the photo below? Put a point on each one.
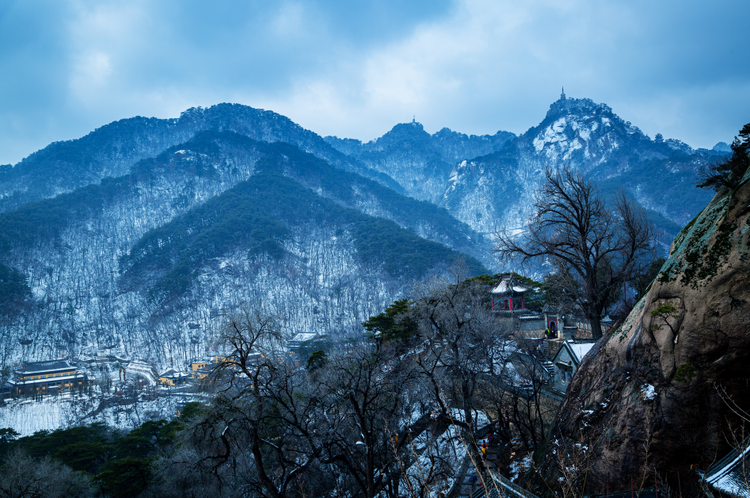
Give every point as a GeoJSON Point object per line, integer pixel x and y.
{"type": "Point", "coordinates": [488, 182]}
{"type": "Point", "coordinates": [144, 233]}
{"type": "Point", "coordinates": [421, 163]}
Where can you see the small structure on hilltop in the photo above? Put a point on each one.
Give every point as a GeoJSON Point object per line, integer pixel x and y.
{"type": "Point", "coordinates": [508, 300]}
{"type": "Point", "coordinates": [47, 377]}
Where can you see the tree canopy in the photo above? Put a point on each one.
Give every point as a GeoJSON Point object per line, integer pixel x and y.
{"type": "Point", "coordinates": [392, 324]}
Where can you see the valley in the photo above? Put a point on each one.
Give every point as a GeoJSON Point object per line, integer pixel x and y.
{"type": "Point", "coordinates": [232, 227]}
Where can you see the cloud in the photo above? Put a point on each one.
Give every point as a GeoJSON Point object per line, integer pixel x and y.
{"type": "Point", "coordinates": [667, 67]}
{"type": "Point", "coordinates": [356, 68]}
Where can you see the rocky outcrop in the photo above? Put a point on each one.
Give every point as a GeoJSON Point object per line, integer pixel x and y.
{"type": "Point", "coordinates": [662, 394]}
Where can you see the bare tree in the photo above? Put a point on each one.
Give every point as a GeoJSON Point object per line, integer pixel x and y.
{"type": "Point", "coordinates": [464, 345]}
{"type": "Point", "coordinates": [24, 476]}
{"type": "Point", "coordinates": [603, 246]}
{"type": "Point", "coordinates": [258, 436]}
{"type": "Point", "coordinates": [366, 404]}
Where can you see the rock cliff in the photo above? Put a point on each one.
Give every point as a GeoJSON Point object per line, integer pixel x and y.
{"type": "Point", "coordinates": [662, 393]}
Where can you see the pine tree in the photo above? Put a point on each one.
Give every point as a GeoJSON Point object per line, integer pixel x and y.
{"type": "Point", "coordinates": [729, 172]}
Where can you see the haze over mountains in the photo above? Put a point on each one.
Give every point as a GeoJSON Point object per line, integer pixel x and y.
{"type": "Point", "coordinates": [142, 234]}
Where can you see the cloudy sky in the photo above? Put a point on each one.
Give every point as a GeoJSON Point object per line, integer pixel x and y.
{"type": "Point", "coordinates": [356, 68]}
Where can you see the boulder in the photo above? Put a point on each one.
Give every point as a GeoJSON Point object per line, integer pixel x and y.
{"type": "Point", "coordinates": [667, 392]}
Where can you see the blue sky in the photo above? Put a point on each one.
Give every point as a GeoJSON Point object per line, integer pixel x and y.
{"type": "Point", "coordinates": [355, 69]}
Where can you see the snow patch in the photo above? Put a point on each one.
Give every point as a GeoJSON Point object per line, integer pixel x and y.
{"type": "Point", "coordinates": [648, 392]}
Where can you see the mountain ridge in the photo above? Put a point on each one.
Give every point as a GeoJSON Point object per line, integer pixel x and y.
{"type": "Point", "coordinates": [112, 149]}
{"type": "Point", "coordinates": [590, 137]}
{"type": "Point", "coordinates": [408, 149]}
{"type": "Point", "coordinates": [318, 258]}
{"type": "Point", "coordinates": [70, 243]}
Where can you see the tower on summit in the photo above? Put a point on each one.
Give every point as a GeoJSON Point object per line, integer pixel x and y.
{"type": "Point", "coordinates": [562, 96]}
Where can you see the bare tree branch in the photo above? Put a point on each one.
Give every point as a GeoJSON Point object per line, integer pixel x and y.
{"type": "Point", "coordinates": [602, 247]}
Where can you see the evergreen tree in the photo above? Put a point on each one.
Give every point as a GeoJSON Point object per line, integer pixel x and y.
{"type": "Point", "coordinates": [392, 324]}
{"type": "Point", "coordinates": [729, 172]}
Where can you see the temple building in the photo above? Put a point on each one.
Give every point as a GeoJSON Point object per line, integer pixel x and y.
{"type": "Point", "coordinates": [508, 295]}
{"type": "Point", "coordinates": [47, 377]}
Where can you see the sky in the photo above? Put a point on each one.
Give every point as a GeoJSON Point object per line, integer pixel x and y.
{"type": "Point", "coordinates": [356, 68]}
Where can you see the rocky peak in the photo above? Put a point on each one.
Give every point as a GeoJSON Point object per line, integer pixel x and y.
{"type": "Point", "coordinates": [567, 106]}
{"type": "Point", "coordinates": [581, 132]}
{"type": "Point", "coordinates": [722, 147]}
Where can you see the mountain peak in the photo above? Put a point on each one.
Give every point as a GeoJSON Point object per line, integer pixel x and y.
{"type": "Point", "coordinates": [566, 106]}
{"type": "Point", "coordinates": [410, 127]}
{"type": "Point", "coordinates": [403, 131]}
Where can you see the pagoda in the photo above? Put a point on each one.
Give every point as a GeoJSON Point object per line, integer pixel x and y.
{"type": "Point", "coordinates": [508, 295]}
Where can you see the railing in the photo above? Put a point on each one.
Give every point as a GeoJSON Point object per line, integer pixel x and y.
{"type": "Point", "coordinates": [501, 488]}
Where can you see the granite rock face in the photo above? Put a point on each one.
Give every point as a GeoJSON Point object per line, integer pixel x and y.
{"type": "Point", "coordinates": [662, 393]}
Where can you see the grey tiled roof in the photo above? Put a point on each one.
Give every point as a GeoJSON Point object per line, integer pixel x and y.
{"type": "Point", "coordinates": [40, 367]}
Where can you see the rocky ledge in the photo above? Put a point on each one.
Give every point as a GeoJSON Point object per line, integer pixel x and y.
{"type": "Point", "coordinates": [664, 394]}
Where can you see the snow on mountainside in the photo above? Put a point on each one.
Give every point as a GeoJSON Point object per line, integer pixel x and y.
{"type": "Point", "coordinates": [113, 149]}
{"type": "Point", "coordinates": [146, 231]}
{"type": "Point", "coordinates": [151, 261]}
{"type": "Point", "coordinates": [497, 190]}
{"type": "Point", "coordinates": [419, 162]}
{"type": "Point", "coordinates": [27, 417]}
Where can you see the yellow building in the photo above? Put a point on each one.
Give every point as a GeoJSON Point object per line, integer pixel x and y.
{"type": "Point", "coordinates": [172, 377]}
{"type": "Point", "coordinates": [198, 364]}
{"type": "Point", "coordinates": [47, 377]}
{"type": "Point", "coordinates": [202, 368]}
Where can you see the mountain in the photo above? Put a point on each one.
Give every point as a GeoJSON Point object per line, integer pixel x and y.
{"type": "Point", "coordinates": [421, 163]}
{"type": "Point", "coordinates": [110, 151]}
{"type": "Point", "coordinates": [488, 182]}
{"type": "Point", "coordinates": [150, 261]}
{"type": "Point", "coordinates": [144, 232]}
{"type": "Point", "coordinates": [496, 190]}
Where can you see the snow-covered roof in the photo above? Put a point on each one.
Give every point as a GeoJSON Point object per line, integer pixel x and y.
{"type": "Point", "coordinates": [304, 337]}
{"type": "Point", "coordinates": [508, 285]}
{"type": "Point", "coordinates": [40, 367]}
{"type": "Point", "coordinates": [577, 349]}
{"type": "Point", "coordinates": [171, 372]}
{"type": "Point", "coordinates": [580, 349]}
{"type": "Point", "coordinates": [728, 474]}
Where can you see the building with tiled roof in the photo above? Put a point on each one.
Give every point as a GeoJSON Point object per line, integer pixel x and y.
{"type": "Point", "coordinates": [47, 377]}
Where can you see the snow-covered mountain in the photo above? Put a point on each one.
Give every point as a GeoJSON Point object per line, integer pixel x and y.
{"type": "Point", "coordinates": [421, 163]}
{"type": "Point", "coordinates": [144, 233]}
{"type": "Point", "coordinates": [150, 261]}
{"type": "Point", "coordinates": [497, 190]}
{"type": "Point", "coordinates": [110, 151]}
{"type": "Point", "coordinates": [488, 182]}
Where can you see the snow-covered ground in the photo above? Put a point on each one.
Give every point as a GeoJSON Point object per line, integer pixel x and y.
{"type": "Point", "coordinates": [27, 417]}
